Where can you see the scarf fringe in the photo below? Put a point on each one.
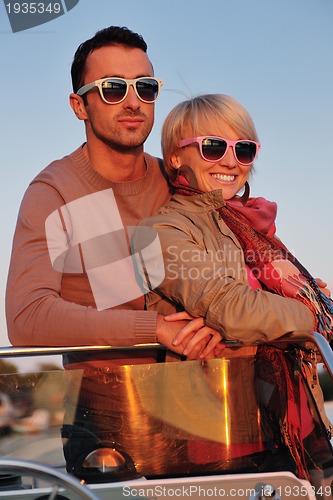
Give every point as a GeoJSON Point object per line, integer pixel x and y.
{"type": "Point", "coordinates": [321, 309]}
{"type": "Point", "coordinates": [296, 448]}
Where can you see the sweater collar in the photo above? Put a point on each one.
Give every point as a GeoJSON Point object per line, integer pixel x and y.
{"type": "Point", "coordinates": [121, 188]}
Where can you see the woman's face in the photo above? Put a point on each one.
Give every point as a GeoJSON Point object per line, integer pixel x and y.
{"type": "Point", "coordinates": [226, 174]}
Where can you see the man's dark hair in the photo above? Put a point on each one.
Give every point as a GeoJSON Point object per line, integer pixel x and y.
{"type": "Point", "coordinates": [114, 35]}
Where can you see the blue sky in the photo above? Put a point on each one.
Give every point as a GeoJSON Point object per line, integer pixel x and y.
{"type": "Point", "coordinates": [274, 56]}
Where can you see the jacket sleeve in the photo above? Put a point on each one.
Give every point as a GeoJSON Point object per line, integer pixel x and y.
{"type": "Point", "coordinates": [200, 281]}
{"type": "Point", "coordinates": [36, 313]}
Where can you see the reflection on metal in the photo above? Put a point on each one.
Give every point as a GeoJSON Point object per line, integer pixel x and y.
{"type": "Point", "coordinates": [225, 406]}
{"type": "Point", "coordinates": [105, 460]}
{"type": "Point", "coordinates": [325, 351]}
{"type": "Point", "coordinates": [162, 413]}
{"type": "Point", "coordinates": [12, 352]}
{"type": "Point", "coordinates": [188, 396]}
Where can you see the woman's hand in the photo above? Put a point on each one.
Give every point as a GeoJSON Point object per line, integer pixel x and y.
{"type": "Point", "coordinates": [199, 341]}
{"type": "Point", "coordinates": [323, 287]}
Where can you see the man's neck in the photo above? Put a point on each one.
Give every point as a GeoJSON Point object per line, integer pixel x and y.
{"type": "Point", "coordinates": [116, 166]}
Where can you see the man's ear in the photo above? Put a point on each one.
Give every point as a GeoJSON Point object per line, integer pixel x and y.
{"type": "Point", "coordinates": [78, 106]}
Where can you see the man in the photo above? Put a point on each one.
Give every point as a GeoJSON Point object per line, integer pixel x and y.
{"type": "Point", "coordinates": [45, 304]}
{"type": "Point", "coordinates": [70, 280]}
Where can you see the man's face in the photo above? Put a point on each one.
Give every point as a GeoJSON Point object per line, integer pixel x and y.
{"type": "Point", "coordinates": [125, 125]}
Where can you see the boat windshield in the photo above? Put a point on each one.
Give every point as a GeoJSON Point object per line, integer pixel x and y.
{"type": "Point", "coordinates": [251, 411]}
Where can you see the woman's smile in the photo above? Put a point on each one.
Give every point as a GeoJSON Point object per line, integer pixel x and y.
{"type": "Point", "coordinates": [224, 177]}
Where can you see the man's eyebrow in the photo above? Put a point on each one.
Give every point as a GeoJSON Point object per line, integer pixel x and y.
{"type": "Point", "coordinates": [124, 77]}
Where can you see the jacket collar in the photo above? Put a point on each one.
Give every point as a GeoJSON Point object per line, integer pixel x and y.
{"type": "Point", "coordinates": [204, 202]}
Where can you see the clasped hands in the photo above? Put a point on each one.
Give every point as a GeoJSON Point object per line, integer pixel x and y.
{"type": "Point", "coordinates": [189, 336]}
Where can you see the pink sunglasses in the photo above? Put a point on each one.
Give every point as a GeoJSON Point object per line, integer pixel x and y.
{"type": "Point", "coordinates": [213, 149]}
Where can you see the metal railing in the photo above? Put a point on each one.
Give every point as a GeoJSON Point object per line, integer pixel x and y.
{"type": "Point", "coordinates": [295, 338]}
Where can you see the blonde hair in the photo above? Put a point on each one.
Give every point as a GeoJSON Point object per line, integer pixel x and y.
{"type": "Point", "coordinates": [205, 114]}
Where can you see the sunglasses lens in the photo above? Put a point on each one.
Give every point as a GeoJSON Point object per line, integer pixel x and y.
{"type": "Point", "coordinates": [114, 90]}
{"type": "Point", "coordinates": [147, 89]}
{"type": "Point", "coordinates": [245, 152]}
{"type": "Point", "coordinates": [213, 149]}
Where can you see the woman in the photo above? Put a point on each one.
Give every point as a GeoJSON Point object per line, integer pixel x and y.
{"type": "Point", "coordinates": [222, 260]}
{"type": "Point", "coordinates": [219, 248]}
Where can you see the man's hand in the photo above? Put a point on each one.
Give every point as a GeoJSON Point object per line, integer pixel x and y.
{"type": "Point", "coordinates": [167, 330]}
{"type": "Point", "coordinates": [197, 340]}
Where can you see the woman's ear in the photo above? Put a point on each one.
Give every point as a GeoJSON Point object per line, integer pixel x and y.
{"type": "Point", "coordinates": [78, 106]}
{"type": "Point", "coordinates": [175, 161]}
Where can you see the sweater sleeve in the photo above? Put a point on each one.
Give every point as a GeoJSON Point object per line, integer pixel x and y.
{"type": "Point", "coordinates": [36, 313]}
{"type": "Point", "coordinates": [205, 286]}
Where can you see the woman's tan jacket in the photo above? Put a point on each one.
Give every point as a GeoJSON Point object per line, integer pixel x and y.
{"type": "Point", "coordinates": [205, 274]}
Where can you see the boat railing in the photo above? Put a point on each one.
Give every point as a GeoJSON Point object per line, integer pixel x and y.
{"type": "Point", "coordinates": [320, 345]}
